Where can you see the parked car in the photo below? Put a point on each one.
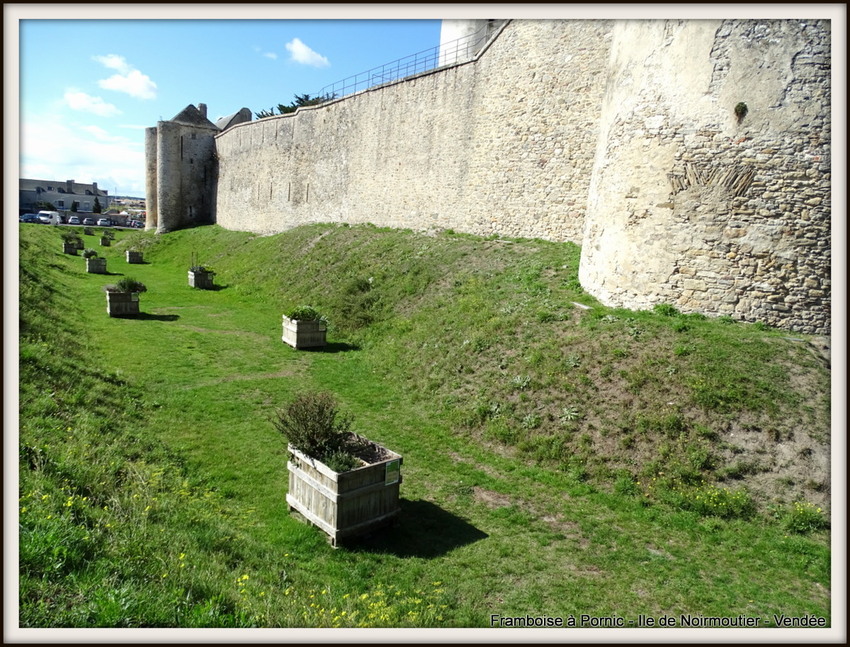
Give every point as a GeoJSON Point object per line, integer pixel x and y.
{"type": "Point", "coordinates": [50, 217]}
{"type": "Point", "coordinates": [29, 217]}
{"type": "Point", "coordinates": [74, 220]}
{"type": "Point", "coordinates": [88, 221]}
{"type": "Point", "coordinates": [103, 222]}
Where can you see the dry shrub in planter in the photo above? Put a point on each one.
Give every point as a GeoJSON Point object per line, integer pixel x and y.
{"type": "Point", "coordinates": [94, 265]}
{"type": "Point", "coordinates": [313, 425]}
{"type": "Point", "coordinates": [305, 327]}
{"type": "Point", "coordinates": [201, 277]}
{"type": "Point", "coordinates": [71, 242]}
{"type": "Point", "coordinates": [338, 480]}
{"type": "Point", "coordinates": [122, 298]}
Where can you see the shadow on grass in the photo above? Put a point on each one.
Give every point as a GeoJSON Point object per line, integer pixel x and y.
{"type": "Point", "coordinates": [152, 317]}
{"type": "Point", "coordinates": [333, 347]}
{"type": "Point", "coordinates": [421, 529]}
{"type": "Point", "coordinates": [215, 288]}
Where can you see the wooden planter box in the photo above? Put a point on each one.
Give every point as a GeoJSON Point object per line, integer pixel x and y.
{"type": "Point", "coordinates": [134, 257]}
{"type": "Point", "coordinates": [96, 265]}
{"type": "Point", "coordinates": [80, 244]}
{"type": "Point", "coordinates": [122, 304]}
{"type": "Point", "coordinates": [349, 503]}
{"type": "Point", "coordinates": [201, 280]}
{"type": "Point", "coordinates": [104, 242]}
{"type": "Point", "coordinates": [70, 248]}
{"type": "Point", "coordinates": [304, 334]}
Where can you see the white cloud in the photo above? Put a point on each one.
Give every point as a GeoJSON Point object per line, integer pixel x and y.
{"type": "Point", "coordinates": [271, 55]}
{"type": "Point", "coordinates": [128, 80]}
{"type": "Point", "coordinates": [114, 62]}
{"type": "Point", "coordinates": [134, 83]}
{"type": "Point", "coordinates": [52, 149]}
{"type": "Point", "coordinates": [301, 53]}
{"type": "Point", "coordinates": [86, 103]}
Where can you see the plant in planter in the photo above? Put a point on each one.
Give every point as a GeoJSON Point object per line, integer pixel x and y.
{"type": "Point", "coordinates": [94, 265]}
{"type": "Point", "coordinates": [106, 238]}
{"type": "Point", "coordinates": [88, 231]}
{"type": "Point", "coordinates": [305, 327]}
{"type": "Point", "coordinates": [338, 480]}
{"type": "Point", "coordinates": [134, 256]}
{"type": "Point", "coordinates": [122, 298]}
{"type": "Point", "coordinates": [201, 277]}
{"type": "Point", "coordinates": [71, 243]}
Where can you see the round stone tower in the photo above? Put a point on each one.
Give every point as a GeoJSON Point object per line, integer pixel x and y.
{"type": "Point", "coordinates": [711, 183]}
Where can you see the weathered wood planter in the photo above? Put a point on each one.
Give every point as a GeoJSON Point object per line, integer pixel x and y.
{"type": "Point", "coordinates": [104, 241]}
{"type": "Point", "coordinates": [134, 257]}
{"type": "Point", "coordinates": [96, 265]}
{"type": "Point", "coordinates": [201, 280]}
{"type": "Point", "coordinates": [122, 304]}
{"type": "Point", "coordinates": [304, 334]}
{"type": "Point", "coordinates": [70, 248]}
{"type": "Point", "coordinates": [349, 503]}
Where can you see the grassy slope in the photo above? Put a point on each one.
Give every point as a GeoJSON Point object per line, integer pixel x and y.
{"type": "Point", "coordinates": [557, 460]}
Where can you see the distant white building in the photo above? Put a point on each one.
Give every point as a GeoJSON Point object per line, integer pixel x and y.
{"type": "Point", "coordinates": [61, 194]}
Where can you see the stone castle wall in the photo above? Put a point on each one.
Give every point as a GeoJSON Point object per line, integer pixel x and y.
{"type": "Point", "coordinates": [617, 135]}
{"type": "Point", "coordinates": [503, 144]}
{"type": "Point", "coordinates": [689, 205]}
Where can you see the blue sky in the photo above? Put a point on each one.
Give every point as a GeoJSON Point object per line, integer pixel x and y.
{"type": "Point", "coordinates": [89, 88]}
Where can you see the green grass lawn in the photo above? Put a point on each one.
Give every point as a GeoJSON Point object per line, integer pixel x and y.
{"type": "Point", "coordinates": [557, 460]}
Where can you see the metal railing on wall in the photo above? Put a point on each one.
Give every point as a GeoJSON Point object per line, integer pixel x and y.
{"type": "Point", "coordinates": [450, 53]}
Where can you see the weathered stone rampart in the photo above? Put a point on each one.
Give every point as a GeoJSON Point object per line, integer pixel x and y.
{"type": "Point", "coordinates": [695, 205]}
{"type": "Point", "coordinates": [503, 144]}
{"type": "Point", "coordinates": [690, 159]}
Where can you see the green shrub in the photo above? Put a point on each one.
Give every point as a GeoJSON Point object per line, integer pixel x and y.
{"type": "Point", "coordinates": [69, 236]}
{"type": "Point", "coordinates": [313, 425]}
{"type": "Point", "coordinates": [804, 518]}
{"type": "Point", "coordinates": [89, 253]}
{"type": "Point", "coordinates": [127, 284]}
{"type": "Point", "coordinates": [304, 313]}
{"type": "Point", "coordinates": [711, 501]}
{"type": "Point", "coordinates": [665, 310]}
{"type": "Point", "coordinates": [625, 486]}
{"type": "Point", "coordinates": [340, 461]}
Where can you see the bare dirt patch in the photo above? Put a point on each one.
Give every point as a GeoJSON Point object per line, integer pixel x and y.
{"type": "Point", "coordinates": [491, 499]}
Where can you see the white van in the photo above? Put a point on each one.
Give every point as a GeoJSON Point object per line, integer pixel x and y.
{"type": "Point", "coordinates": [50, 217]}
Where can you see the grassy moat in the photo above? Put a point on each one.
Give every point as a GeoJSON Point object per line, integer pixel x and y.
{"type": "Point", "coordinates": [559, 460]}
